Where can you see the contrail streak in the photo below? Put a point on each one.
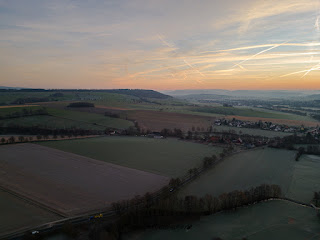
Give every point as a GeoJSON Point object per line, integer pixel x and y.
{"type": "Point", "coordinates": [174, 50]}
{"type": "Point", "coordinates": [265, 45]}
{"type": "Point", "coordinates": [316, 24]}
{"type": "Point", "coordinates": [316, 67]}
{"type": "Point", "coordinates": [242, 67]}
{"type": "Point", "coordinates": [197, 70]}
{"type": "Point", "coordinates": [263, 51]}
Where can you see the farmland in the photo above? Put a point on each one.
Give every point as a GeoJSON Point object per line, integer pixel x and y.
{"type": "Point", "coordinates": [306, 178]}
{"type": "Point", "coordinates": [4, 110]}
{"type": "Point", "coordinates": [152, 113]}
{"type": "Point", "coordinates": [147, 119]}
{"type": "Point", "coordinates": [244, 170]}
{"type": "Point", "coordinates": [157, 120]}
{"type": "Point", "coordinates": [90, 118]}
{"type": "Point", "coordinates": [77, 184]}
{"type": "Point", "coordinates": [87, 175]}
{"type": "Point", "coordinates": [17, 213]}
{"type": "Point", "coordinates": [252, 112]}
{"type": "Point", "coordinates": [156, 114]}
{"type": "Point", "coordinates": [59, 118]}
{"type": "Point", "coordinates": [169, 157]}
{"type": "Point", "coordinates": [298, 180]}
{"type": "Point", "coordinates": [263, 221]}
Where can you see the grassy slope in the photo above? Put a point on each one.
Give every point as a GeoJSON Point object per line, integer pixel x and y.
{"type": "Point", "coordinates": [9, 110]}
{"type": "Point", "coordinates": [298, 180]}
{"type": "Point", "coordinates": [251, 112]}
{"type": "Point", "coordinates": [170, 105]}
{"type": "Point", "coordinates": [48, 122]}
{"type": "Point", "coordinates": [65, 119]}
{"type": "Point", "coordinates": [16, 213]}
{"type": "Point", "coordinates": [244, 170]}
{"type": "Point", "coordinates": [91, 118]}
{"type": "Point", "coordinates": [306, 178]}
{"type": "Point", "coordinates": [263, 221]}
{"type": "Point", "coordinates": [9, 97]}
{"type": "Point", "coordinates": [169, 157]}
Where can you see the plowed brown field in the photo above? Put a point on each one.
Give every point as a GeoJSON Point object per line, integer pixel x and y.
{"type": "Point", "coordinates": [69, 183]}
{"type": "Point", "coordinates": [156, 120]}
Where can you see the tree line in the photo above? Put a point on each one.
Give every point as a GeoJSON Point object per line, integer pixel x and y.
{"type": "Point", "coordinates": [42, 133]}
{"type": "Point", "coordinates": [25, 139]}
{"type": "Point", "coordinates": [148, 212]}
{"type": "Point", "coordinates": [288, 142]}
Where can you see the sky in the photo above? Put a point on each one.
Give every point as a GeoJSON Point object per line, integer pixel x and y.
{"type": "Point", "coordinates": [160, 44]}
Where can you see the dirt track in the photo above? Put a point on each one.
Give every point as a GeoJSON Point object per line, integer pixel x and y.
{"type": "Point", "coordinates": [70, 183]}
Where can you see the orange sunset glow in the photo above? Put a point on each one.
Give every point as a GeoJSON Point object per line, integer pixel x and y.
{"type": "Point", "coordinates": [160, 45]}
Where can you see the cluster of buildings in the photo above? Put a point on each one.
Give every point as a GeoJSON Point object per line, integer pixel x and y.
{"type": "Point", "coordinates": [259, 125]}
{"type": "Point", "coordinates": [246, 142]}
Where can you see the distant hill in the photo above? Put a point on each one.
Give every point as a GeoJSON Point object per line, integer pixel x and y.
{"type": "Point", "coordinates": [313, 97]}
{"type": "Point", "coordinates": [197, 92]}
{"type": "Point", "coordinates": [203, 96]}
{"type": "Point", "coordinates": [139, 93]}
{"type": "Point", "coordinates": [212, 93]}
{"type": "Point", "coordinates": [4, 87]}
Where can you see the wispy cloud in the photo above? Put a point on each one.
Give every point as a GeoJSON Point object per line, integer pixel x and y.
{"type": "Point", "coordinates": [117, 43]}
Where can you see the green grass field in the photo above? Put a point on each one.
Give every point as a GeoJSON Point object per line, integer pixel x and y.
{"type": "Point", "coordinates": [245, 170]}
{"type": "Point", "coordinates": [263, 221]}
{"type": "Point", "coordinates": [169, 157]}
{"type": "Point", "coordinates": [54, 122]}
{"type": "Point", "coordinates": [298, 180]}
{"type": "Point", "coordinates": [306, 178]}
{"type": "Point", "coordinates": [90, 118]}
{"type": "Point", "coordinates": [16, 214]}
{"type": "Point", "coordinates": [10, 110]}
{"type": "Point", "coordinates": [251, 112]}
{"type": "Point", "coordinates": [251, 131]}
{"type": "Point", "coordinates": [64, 119]}
{"type": "Point", "coordinates": [7, 98]}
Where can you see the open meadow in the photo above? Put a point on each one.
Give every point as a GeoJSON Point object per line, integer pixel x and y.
{"type": "Point", "coordinates": [90, 118]}
{"type": "Point", "coordinates": [263, 221]}
{"type": "Point", "coordinates": [17, 213]}
{"type": "Point", "coordinates": [67, 183]}
{"type": "Point", "coordinates": [297, 179]}
{"type": "Point", "coordinates": [151, 119]}
{"type": "Point", "coordinates": [61, 119]}
{"type": "Point", "coordinates": [247, 111]}
{"type": "Point", "coordinates": [168, 157]}
{"type": "Point", "coordinates": [245, 170]}
{"type": "Point", "coordinates": [306, 178]}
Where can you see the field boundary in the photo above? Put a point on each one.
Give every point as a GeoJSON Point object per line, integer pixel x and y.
{"type": "Point", "coordinates": [32, 201]}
